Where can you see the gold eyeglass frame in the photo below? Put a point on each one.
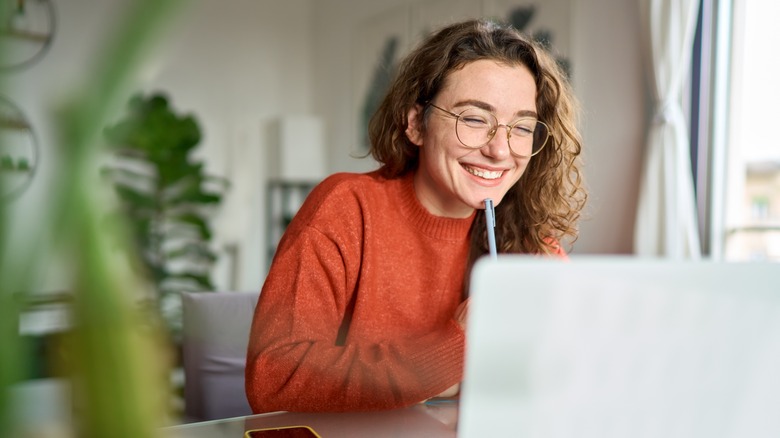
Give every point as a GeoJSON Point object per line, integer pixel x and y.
{"type": "Point", "coordinates": [492, 135]}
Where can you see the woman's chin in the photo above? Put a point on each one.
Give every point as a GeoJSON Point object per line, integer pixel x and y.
{"type": "Point", "coordinates": [479, 203]}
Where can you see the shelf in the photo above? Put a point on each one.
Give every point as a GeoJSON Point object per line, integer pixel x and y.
{"type": "Point", "coordinates": [37, 37]}
{"type": "Point", "coordinates": [15, 124]}
{"type": "Point", "coordinates": [283, 199]}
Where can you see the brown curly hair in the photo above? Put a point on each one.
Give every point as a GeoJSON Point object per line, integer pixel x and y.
{"type": "Point", "coordinates": [542, 208]}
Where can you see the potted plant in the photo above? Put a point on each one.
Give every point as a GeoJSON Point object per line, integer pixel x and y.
{"type": "Point", "coordinates": [166, 196]}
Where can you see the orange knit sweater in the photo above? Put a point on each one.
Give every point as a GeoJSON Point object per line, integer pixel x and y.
{"type": "Point", "coordinates": [357, 310]}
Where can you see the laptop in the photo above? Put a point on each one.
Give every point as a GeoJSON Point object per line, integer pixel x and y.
{"type": "Point", "coordinates": [621, 347]}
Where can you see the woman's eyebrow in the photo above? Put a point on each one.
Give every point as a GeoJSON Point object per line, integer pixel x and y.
{"type": "Point", "coordinates": [526, 113]}
{"type": "Point", "coordinates": [488, 107]}
{"type": "Point", "coordinates": [477, 103]}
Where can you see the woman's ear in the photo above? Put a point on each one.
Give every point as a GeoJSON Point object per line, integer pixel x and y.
{"type": "Point", "coordinates": [414, 129]}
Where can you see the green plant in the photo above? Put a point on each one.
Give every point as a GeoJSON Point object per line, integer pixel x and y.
{"type": "Point", "coordinates": [118, 368]}
{"type": "Point", "coordinates": [166, 195]}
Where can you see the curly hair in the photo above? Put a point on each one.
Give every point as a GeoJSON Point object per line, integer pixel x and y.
{"type": "Point", "coordinates": [543, 207]}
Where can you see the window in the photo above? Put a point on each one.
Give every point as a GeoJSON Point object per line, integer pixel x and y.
{"type": "Point", "coordinates": [734, 112]}
{"type": "Point", "coordinates": [759, 206]}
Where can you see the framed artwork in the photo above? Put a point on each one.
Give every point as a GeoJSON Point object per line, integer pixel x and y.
{"type": "Point", "coordinates": [380, 44]}
{"type": "Point", "coordinates": [546, 21]}
{"type": "Point", "coordinates": [427, 16]}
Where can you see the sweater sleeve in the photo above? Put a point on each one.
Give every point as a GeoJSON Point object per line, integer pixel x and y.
{"type": "Point", "coordinates": [295, 362]}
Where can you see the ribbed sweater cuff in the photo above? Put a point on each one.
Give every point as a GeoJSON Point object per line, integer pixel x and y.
{"type": "Point", "coordinates": [440, 365]}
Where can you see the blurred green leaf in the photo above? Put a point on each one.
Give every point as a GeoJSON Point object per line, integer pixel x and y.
{"type": "Point", "coordinates": [116, 355]}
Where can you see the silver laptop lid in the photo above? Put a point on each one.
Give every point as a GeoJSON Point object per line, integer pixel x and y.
{"type": "Point", "coordinates": [622, 347]}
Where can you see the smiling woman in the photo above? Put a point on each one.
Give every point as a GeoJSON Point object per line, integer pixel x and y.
{"type": "Point", "coordinates": [365, 298]}
{"type": "Point", "coordinates": [454, 178]}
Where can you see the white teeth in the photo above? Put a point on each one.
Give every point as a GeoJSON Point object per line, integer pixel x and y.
{"type": "Point", "coordinates": [487, 174]}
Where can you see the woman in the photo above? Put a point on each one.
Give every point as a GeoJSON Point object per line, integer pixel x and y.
{"type": "Point", "coordinates": [363, 307]}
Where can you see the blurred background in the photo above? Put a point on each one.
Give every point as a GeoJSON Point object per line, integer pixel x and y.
{"type": "Point", "coordinates": [270, 97]}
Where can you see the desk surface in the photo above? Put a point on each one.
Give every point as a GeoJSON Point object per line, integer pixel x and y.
{"type": "Point", "coordinates": [426, 420]}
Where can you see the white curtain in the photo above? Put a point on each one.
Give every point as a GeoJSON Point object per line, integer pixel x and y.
{"type": "Point", "coordinates": [666, 214]}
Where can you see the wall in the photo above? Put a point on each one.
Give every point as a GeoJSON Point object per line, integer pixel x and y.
{"type": "Point", "coordinates": [239, 65]}
{"type": "Point", "coordinates": [39, 91]}
{"type": "Point", "coordinates": [333, 60]}
{"type": "Point", "coordinates": [608, 80]}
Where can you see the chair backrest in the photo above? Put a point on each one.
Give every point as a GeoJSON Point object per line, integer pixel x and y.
{"type": "Point", "coordinates": [215, 333]}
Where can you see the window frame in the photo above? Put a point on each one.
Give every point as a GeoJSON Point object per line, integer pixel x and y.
{"type": "Point", "coordinates": [710, 94]}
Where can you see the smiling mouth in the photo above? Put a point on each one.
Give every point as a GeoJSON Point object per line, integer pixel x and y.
{"type": "Point", "coordinates": [486, 174]}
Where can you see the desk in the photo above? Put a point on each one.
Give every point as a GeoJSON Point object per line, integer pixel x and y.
{"type": "Point", "coordinates": [426, 420]}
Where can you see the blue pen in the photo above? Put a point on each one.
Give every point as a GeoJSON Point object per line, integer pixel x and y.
{"type": "Point", "coordinates": [490, 219]}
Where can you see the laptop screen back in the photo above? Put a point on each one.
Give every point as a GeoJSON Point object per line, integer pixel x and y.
{"type": "Point", "coordinates": [622, 347]}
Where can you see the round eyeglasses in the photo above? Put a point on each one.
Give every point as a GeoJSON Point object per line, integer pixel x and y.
{"type": "Point", "coordinates": [475, 127]}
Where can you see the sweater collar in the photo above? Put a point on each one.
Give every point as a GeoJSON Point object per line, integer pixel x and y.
{"type": "Point", "coordinates": [434, 226]}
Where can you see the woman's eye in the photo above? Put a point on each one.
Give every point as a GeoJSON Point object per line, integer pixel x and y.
{"type": "Point", "coordinates": [474, 121]}
{"type": "Point", "coordinates": [523, 129]}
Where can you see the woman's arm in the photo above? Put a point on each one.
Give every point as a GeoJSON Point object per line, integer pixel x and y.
{"type": "Point", "coordinates": [294, 362]}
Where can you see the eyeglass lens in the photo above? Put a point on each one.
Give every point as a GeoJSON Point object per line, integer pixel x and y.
{"type": "Point", "coordinates": [475, 127]}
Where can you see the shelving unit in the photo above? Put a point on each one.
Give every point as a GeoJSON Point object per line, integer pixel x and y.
{"type": "Point", "coordinates": [283, 199]}
{"type": "Point", "coordinates": [18, 150]}
{"type": "Point", "coordinates": [27, 33]}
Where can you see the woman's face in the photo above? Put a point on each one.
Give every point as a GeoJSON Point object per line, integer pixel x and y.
{"type": "Point", "coordinates": [452, 180]}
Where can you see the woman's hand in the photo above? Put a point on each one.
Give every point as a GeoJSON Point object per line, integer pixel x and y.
{"type": "Point", "coordinates": [461, 313]}
{"type": "Point", "coordinates": [452, 391]}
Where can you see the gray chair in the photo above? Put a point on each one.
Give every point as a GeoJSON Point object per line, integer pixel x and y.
{"type": "Point", "coordinates": [215, 333]}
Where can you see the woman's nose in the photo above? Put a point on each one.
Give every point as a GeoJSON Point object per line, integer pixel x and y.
{"type": "Point", "coordinates": [498, 146]}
